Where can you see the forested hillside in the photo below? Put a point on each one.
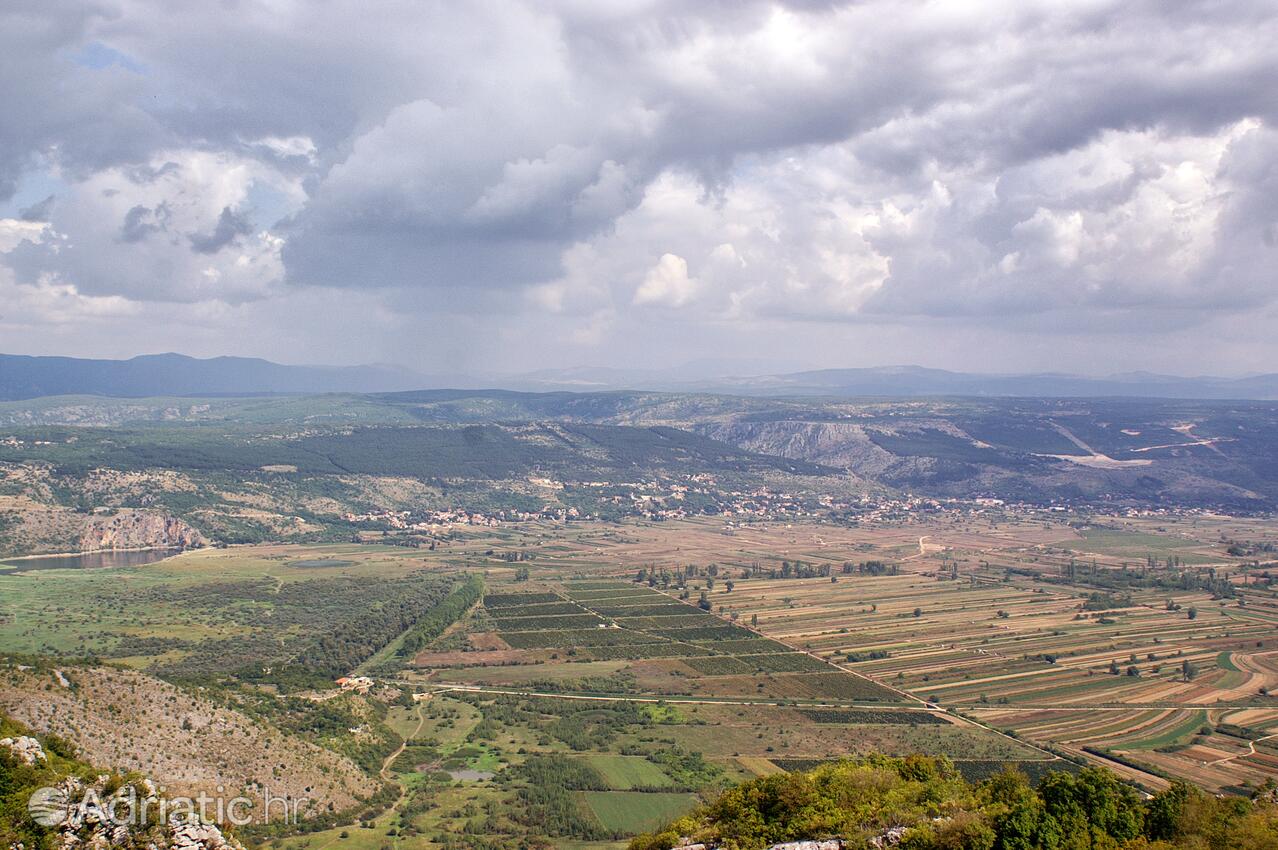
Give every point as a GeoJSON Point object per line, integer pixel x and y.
{"type": "Point", "coordinates": [1143, 452]}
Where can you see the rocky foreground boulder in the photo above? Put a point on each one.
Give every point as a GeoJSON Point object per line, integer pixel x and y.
{"type": "Point", "coordinates": [28, 750]}
{"type": "Point", "coordinates": [101, 814]}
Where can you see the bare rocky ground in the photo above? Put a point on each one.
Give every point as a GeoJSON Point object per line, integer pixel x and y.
{"type": "Point", "coordinates": [129, 721]}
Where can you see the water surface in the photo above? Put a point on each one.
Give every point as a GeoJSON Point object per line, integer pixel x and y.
{"type": "Point", "coordinates": [87, 560]}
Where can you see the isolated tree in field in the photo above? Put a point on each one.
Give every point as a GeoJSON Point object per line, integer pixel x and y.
{"type": "Point", "coordinates": [1188, 670]}
{"type": "Point", "coordinates": [1193, 613]}
{"type": "Point", "coordinates": [729, 584]}
{"type": "Point", "coordinates": [754, 619]}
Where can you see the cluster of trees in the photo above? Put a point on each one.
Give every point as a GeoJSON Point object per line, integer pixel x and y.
{"type": "Point", "coordinates": [1250, 548]}
{"type": "Point", "coordinates": [679, 578]}
{"type": "Point", "coordinates": [1106, 601]}
{"type": "Point", "coordinates": [853, 657]}
{"type": "Point", "coordinates": [581, 724]}
{"type": "Point", "coordinates": [922, 803]}
{"type": "Point", "coordinates": [1152, 575]}
{"type": "Point", "coordinates": [870, 568]}
{"type": "Point", "coordinates": [799, 569]}
{"type": "Point", "coordinates": [664, 578]}
{"type": "Point", "coordinates": [432, 623]}
{"type": "Point", "coordinates": [788, 569]}
{"type": "Point", "coordinates": [545, 802]}
{"type": "Point", "coordinates": [688, 770]}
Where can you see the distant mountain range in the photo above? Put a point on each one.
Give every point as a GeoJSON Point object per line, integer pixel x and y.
{"type": "Point", "coordinates": [23, 377]}
{"type": "Point", "coordinates": [917, 381]}
{"type": "Point", "coordinates": [898, 381]}
{"type": "Point", "coordinates": [175, 374]}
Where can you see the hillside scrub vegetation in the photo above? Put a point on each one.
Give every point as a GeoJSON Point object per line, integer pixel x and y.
{"type": "Point", "coordinates": [922, 803]}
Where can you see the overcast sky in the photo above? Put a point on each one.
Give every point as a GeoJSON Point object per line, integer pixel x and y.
{"type": "Point", "coordinates": [470, 186]}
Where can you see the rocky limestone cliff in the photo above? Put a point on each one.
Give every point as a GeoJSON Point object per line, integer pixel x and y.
{"type": "Point", "coordinates": [837, 444]}
{"type": "Point", "coordinates": [139, 530]}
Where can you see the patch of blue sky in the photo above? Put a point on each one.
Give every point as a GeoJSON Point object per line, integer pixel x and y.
{"type": "Point", "coordinates": [99, 56]}
{"type": "Point", "coordinates": [33, 187]}
{"type": "Point", "coordinates": [266, 204]}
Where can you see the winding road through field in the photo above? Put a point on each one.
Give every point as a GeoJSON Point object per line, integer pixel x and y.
{"type": "Point", "coordinates": [390, 759]}
{"type": "Point", "coordinates": [1251, 750]}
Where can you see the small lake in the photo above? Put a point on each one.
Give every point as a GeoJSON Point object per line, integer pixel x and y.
{"type": "Point", "coordinates": [87, 560]}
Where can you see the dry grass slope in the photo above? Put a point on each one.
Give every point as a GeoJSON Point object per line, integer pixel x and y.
{"type": "Point", "coordinates": [127, 720]}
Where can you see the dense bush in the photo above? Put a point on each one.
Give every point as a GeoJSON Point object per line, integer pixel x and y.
{"type": "Point", "coordinates": [557, 623]}
{"type": "Point", "coordinates": [503, 600]}
{"type": "Point", "coordinates": [852, 715]}
{"type": "Point", "coordinates": [933, 808]}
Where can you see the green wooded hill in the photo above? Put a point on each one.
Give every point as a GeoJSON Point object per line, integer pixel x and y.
{"type": "Point", "coordinates": [1166, 452]}
{"type": "Point", "coordinates": [922, 803]}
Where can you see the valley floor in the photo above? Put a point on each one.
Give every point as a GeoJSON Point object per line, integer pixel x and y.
{"type": "Point", "coordinates": [644, 666]}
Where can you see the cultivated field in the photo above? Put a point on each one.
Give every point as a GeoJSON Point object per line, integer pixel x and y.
{"type": "Point", "coordinates": [638, 668]}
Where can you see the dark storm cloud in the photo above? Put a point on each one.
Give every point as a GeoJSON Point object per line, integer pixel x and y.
{"type": "Point", "coordinates": [231, 225]}
{"type": "Point", "coordinates": [38, 211]}
{"type": "Point", "coordinates": [139, 223]}
{"type": "Point", "coordinates": [88, 118]}
{"type": "Point", "coordinates": [147, 173]}
{"type": "Point", "coordinates": [651, 160]}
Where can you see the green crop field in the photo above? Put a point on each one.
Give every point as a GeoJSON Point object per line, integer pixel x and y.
{"type": "Point", "coordinates": [626, 773]}
{"type": "Point", "coordinates": [633, 811]}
